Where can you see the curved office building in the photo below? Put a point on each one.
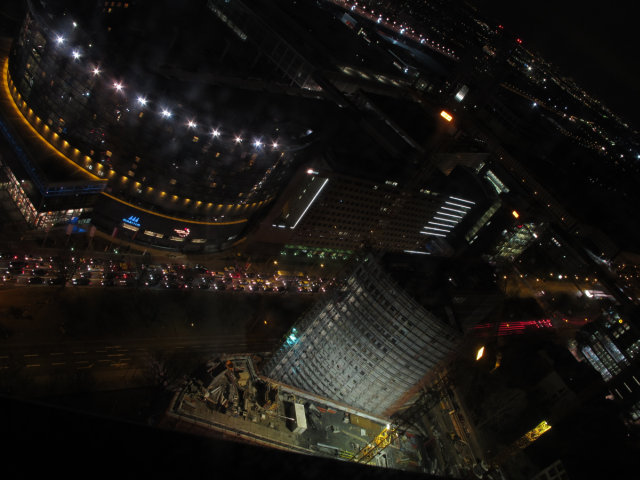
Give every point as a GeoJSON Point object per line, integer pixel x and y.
{"type": "Point", "coordinates": [366, 347]}
{"type": "Point", "coordinates": [184, 118]}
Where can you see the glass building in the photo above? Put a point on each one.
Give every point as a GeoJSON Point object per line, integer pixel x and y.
{"type": "Point", "coordinates": [611, 345]}
{"type": "Point", "coordinates": [367, 346]}
{"type": "Point", "coordinates": [180, 149]}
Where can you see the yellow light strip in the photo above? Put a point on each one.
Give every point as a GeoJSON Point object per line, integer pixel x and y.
{"type": "Point", "coordinates": [234, 222]}
{"type": "Point", "coordinates": [446, 115]}
{"type": "Point", "coordinates": [5, 85]}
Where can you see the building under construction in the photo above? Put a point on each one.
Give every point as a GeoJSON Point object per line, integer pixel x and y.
{"type": "Point", "coordinates": [366, 346]}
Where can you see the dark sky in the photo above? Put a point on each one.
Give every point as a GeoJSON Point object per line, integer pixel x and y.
{"type": "Point", "coordinates": [593, 42]}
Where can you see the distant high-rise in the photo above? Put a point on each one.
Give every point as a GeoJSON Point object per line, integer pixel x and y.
{"type": "Point", "coordinates": [611, 345]}
{"type": "Point", "coordinates": [367, 346]}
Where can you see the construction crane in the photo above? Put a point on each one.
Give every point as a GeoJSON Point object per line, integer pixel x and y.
{"type": "Point", "coordinates": [377, 445]}
{"type": "Point", "coordinates": [393, 430]}
{"type": "Point", "coordinates": [521, 443]}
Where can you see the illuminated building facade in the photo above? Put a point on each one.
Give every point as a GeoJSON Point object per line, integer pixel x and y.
{"type": "Point", "coordinates": [45, 196]}
{"type": "Point", "coordinates": [367, 346]}
{"type": "Point", "coordinates": [327, 210]}
{"type": "Point", "coordinates": [176, 160]}
{"type": "Point", "coordinates": [514, 241]}
{"type": "Point", "coordinates": [611, 345]}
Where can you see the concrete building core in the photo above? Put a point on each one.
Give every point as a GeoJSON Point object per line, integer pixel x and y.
{"type": "Point", "coordinates": [367, 346]}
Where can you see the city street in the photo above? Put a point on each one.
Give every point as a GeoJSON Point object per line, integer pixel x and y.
{"type": "Point", "coordinates": [126, 337]}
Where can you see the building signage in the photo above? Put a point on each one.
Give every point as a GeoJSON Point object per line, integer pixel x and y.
{"type": "Point", "coordinates": [184, 233]}
{"type": "Point", "coordinates": [132, 220]}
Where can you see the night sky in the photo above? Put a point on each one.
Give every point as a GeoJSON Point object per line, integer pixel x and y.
{"type": "Point", "coordinates": [593, 42]}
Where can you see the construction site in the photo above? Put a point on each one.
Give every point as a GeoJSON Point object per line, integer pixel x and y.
{"type": "Point", "coordinates": [226, 398]}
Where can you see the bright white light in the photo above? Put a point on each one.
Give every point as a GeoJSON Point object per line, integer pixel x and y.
{"type": "Point", "coordinates": [75, 24]}
{"type": "Point", "coordinates": [191, 124]}
{"type": "Point", "coordinates": [274, 145]}
{"type": "Point", "coordinates": [441, 224]}
{"type": "Point", "coordinates": [454, 210]}
{"type": "Point", "coordinates": [437, 229]}
{"type": "Point", "coordinates": [215, 133]}
{"type": "Point", "coordinates": [446, 220]}
{"type": "Point", "coordinates": [142, 101]}
{"type": "Point", "coordinates": [166, 113]}
{"type": "Point", "coordinates": [238, 139]}
{"type": "Point", "coordinates": [60, 40]}
{"type": "Point", "coordinates": [75, 54]}
{"type": "Point", "coordinates": [463, 200]}
{"type": "Point", "coordinates": [257, 143]}
{"type": "Point", "coordinates": [449, 214]}
{"type": "Point", "coordinates": [433, 233]}
{"type": "Point", "coordinates": [416, 251]}
{"type": "Point", "coordinates": [310, 203]}
{"type": "Point", "coordinates": [117, 86]}
{"type": "Point", "coordinates": [96, 71]}
{"type": "Point", "coordinates": [457, 205]}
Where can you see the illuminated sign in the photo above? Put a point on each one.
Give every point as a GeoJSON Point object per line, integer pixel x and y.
{"type": "Point", "coordinates": [184, 233]}
{"type": "Point", "coordinates": [132, 220]}
{"type": "Point", "coordinates": [446, 115]}
{"type": "Point", "coordinates": [515, 214]}
{"type": "Point", "coordinates": [462, 93]}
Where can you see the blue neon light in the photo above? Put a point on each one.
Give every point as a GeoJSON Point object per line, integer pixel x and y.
{"type": "Point", "coordinates": [132, 220]}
